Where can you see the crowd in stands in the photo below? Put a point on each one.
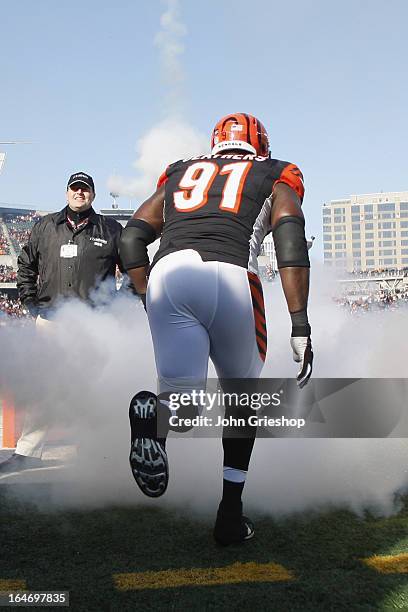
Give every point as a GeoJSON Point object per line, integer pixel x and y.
{"type": "Point", "coordinates": [19, 228]}
{"type": "Point", "coordinates": [267, 273]}
{"type": "Point", "coordinates": [379, 272]}
{"type": "Point", "coordinates": [7, 274]}
{"type": "Point", "coordinates": [4, 244]}
{"type": "Point", "coordinates": [377, 299]}
{"type": "Point", "coordinates": [11, 309]}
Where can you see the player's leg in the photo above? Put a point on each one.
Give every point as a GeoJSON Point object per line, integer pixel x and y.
{"type": "Point", "coordinates": [180, 299]}
{"type": "Point", "coordinates": [238, 331]}
{"type": "Point", "coordinates": [238, 352]}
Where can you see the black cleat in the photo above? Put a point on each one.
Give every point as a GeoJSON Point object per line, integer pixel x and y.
{"type": "Point", "coordinates": [148, 458]}
{"type": "Point", "coordinates": [19, 463]}
{"type": "Point", "coordinates": [232, 528]}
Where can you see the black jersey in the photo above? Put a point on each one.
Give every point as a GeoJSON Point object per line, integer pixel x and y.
{"type": "Point", "coordinates": [219, 205]}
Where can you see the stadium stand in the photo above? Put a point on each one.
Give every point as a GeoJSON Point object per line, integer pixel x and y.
{"type": "Point", "coordinates": [15, 227]}
{"type": "Point", "coordinates": [11, 308]}
{"type": "Point", "coordinates": [19, 227]}
{"type": "Point", "coordinates": [4, 243]}
{"type": "Point", "coordinates": [7, 274]}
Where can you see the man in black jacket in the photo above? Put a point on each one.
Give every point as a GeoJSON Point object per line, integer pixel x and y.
{"type": "Point", "coordinates": [68, 255]}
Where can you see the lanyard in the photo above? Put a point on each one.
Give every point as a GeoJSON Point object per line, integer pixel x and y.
{"type": "Point", "coordinates": [77, 226]}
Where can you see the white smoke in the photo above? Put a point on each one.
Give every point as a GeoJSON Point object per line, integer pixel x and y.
{"type": "Point", "coordinates": [169, 41]}
{"type": "Point", "coordinates": [166, 142]}
{"type": "Point", "coordinates": [87, 370]}
{"type": "Point", "coordinates": [173, 137]}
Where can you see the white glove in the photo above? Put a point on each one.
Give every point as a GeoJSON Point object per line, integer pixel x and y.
{"type": "Point", "coordinates": [302, 353]}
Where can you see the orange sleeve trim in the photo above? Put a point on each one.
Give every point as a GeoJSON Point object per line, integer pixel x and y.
{"type": "Point", "coordinates": [292, 176]}
{"type": "Point", "coordinates": [162, 179]}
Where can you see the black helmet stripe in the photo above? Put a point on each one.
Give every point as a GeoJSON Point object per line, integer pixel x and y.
{"type": "Point", "coordinates": [234, 118]}
{"type": "Point", "coordinates": [248, 127]}
{"type": "Point", "coordinates": [258, 133]}
{"type": "Point", "coordinates": [229, 118]}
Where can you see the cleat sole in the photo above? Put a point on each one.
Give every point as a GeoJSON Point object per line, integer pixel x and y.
{"type": "Point", "coordinates": [148, 458]}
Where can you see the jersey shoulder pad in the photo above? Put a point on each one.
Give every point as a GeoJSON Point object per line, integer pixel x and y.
{"type": "Point", "coordinates": [291, 175]}
{"type": "Point", "coordinates": [168, 172]}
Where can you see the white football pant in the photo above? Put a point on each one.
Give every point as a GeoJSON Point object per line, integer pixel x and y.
{"type": "Point", "coordinates": [204, 309]}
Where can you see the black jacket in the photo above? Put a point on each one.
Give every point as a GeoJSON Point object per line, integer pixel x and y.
{"type": "Point", "coordinates": [44, 275]}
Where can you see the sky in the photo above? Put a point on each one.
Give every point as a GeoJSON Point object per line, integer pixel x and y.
{"type": "Point", "coordinates": [120, 89]}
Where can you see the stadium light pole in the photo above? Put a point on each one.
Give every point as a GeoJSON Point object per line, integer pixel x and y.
{"type": "Point", "coordinates": [114, 197]}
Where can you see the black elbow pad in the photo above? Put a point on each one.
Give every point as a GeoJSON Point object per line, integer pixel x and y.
{"type": "Point", "coordinates": [290, 243]}
{"type": "Point", "coordinates": [133, 243]}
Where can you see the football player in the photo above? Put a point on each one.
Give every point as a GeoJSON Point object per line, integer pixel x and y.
{"type": "Point", "coordinates": [203, 295]}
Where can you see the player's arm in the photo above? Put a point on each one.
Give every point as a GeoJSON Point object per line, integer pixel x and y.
{"type": "Point", "coordinates": [141, 230]}
{"type": "Point", "coordinates": [288, 224]}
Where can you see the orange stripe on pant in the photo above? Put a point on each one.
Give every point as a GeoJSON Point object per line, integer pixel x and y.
{"type": "Point", "coordinates": [258, 306]}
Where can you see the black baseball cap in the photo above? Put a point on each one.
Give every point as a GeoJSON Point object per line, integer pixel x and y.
{"type": "Point", "coordinates": [81, 177]}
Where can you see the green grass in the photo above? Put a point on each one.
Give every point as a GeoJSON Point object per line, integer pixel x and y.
{"type": "Point", "coordinates": [79, 551]}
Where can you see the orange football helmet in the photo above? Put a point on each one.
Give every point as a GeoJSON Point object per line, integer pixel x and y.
{"type": "Point", "coordinates": [240, 131]}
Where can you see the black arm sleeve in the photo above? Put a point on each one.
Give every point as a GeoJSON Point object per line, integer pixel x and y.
{"type": "Point", "coordinates": [290, 243]}
{"type": "Point", "coordinates": [133, 244]}
{"type": "Point", "coordinates": [27, 272]}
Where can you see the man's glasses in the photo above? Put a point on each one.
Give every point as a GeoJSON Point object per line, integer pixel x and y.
{"type": "Point", "coordinates": [78, 186]}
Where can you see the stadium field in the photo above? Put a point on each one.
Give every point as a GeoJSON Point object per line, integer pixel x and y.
{"type": "Point", "coordinates": [151, 559]}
